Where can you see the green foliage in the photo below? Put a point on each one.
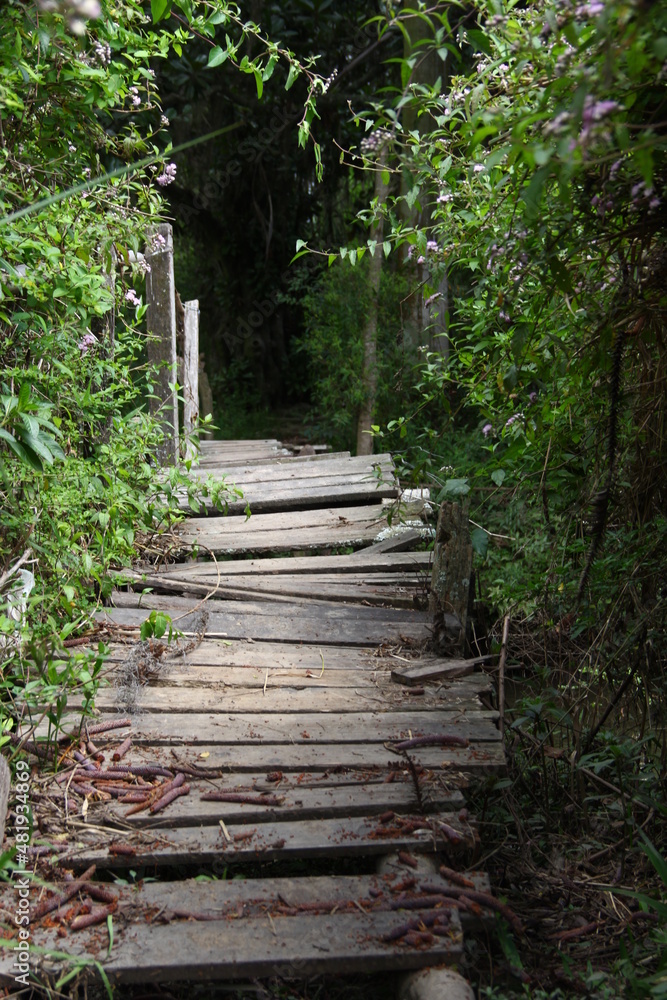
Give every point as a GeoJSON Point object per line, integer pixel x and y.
{"type": "Point", "coordinates": [336, 307]}
{"type": "Point", "coordinates": [543, 168]}
{"type": "Point", "coordinates": [84, 160]}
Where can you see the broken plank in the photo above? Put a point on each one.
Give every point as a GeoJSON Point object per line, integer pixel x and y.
{"type": "Point", "coordinates": [380, 589]}
{"type": "Point", "coordinates": [319, 611]}
{"type": "Point", "coordinates": [441, 669]}
{"type": "Point", "coordinates": [366, 560]}
{"type": "Point", "coordinates": [401, 539]}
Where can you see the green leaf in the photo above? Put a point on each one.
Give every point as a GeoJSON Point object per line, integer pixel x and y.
{"type": "Point", "coordinates": [510, 378]}
{"type": "Point", "coordinates": [291, 76]}
{"type": "Point", "coordinates": [158, 8]}
{"type": "Point", "coordinates": [215, 57]}
{"type": "Point", "coordinates": [480, 542]}
{"type": "Point", "coordinates": [532, 195]}
{"type": "Point", "coordinates": [260, 84]}
{"type": "Point", "coordinates": [456, 487]}
{"type": "Point", "coordinates": [561, 275]}
{"type": "Point", "coordinates": [498, 476]}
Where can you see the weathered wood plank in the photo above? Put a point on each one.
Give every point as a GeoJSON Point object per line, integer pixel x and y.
{"type": "Point", "coordinates": [296, 946]}
{"type": "Point", "coordinates": [381, 589]}
{"type": "Point", "coordinates": [303, 757]}
{"type": "Point", "coordinates": [259, 693]}
{"type": "Point", "coordinates": [297, 472]}
{"type": "Point", "coordinates": [297, 803]}
{"type": "Point", "coordinates": [274, 840]}
{"type": "Point", "coordinates": [220, 897]}
{"type": "Point", "coordinates": [295, 530]}
{"type": "Point", "coordinates": [288, 625]}
{"type": "Point", "coordinates": [318, 611]}
{"type": "Point", "coordinates": [168, 718]}
{"type": "Point", "coordinates": [296, 497]}
{"type": "Point", "coordinates": [404, 538]}
{"type": "Point", "coordinates": [363, 561]}
{"type": "Point", "coordinates": [423, 673]}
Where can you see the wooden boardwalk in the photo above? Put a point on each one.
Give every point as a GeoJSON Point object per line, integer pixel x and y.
{"type": "Point", "coordinates": [276, 718]}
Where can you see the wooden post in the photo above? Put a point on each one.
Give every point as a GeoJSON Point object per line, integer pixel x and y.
{"type": "Point", "coordinates": [452, 568]}
{"type": "Point", "coordinates": [205, 395]}
{"type": "Point", "coordinates": [190, 375]}
{"type": "Point", "coordinates": [161, 324]}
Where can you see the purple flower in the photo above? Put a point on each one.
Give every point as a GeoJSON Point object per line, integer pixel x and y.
{"type": "Point", "coordinates": [431, 245]}
{"type": "Point", "coordinates": [131, 297]}
{"type": "Point", "coordinates": [486, 430]}
{"type": "Point", "coordinates": [86, 342]}
{"type": "Point", "coordinates": [513, 419]}
{"type": "Point", "coordinates": [443, 198]}
{"type": "Point", "coordinates": [421, 260]}
{"type": "Point", "coordinates": [532, 397]}
{"type": "Point", "coordinates": [168, 176]}
{"type": "Point", "coordinates": [431, 299]}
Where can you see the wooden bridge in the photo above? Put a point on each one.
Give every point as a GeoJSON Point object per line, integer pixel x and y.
{"type": "Point", "coordinates": [298, 732]}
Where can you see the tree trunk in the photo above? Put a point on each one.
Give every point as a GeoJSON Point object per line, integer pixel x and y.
{"type": "Point", "coordinates": [428, 68]}
{"type": "Point", "coordinates": [369, 372]}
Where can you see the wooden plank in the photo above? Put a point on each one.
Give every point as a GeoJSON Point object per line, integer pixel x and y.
{"type": "Point", "coordinates": [331, 467]}
{"type": "Point", "coordinates": [355, 562]}
{"type": "Point", "coordinates": [164, 718]}
{"type": "Point", "coordinates": [317, 611]}
{"type": "Point", "coordinates": [295, 946]}
{"type": "Point", "coordinates": [295, 530]}
{"type": "Point", "coordinates": [299, 520]}
{"type": "Point", "coordinates": [302, 758]}
{"type": "Point", "coordinates": [398, 592]}
{"type": "Point", "coordinates": [291, 625]}
{"type": "Point", "coordinates": [439, 669]}
{"type": "Point", "coordinates": [296, 497]}
{"type": "Point", "coordinates": [399, 542]}
{"type": "Point", "coordinates": [222, 897]}
{"type": "Point", "coordinates": [279, 456]}
{"type": "Point", "coordinates": [316, 838]}
{"type": "Point", "coordinates": [258, 692]}
{"type": "Point", "coordinates": [297, 803]}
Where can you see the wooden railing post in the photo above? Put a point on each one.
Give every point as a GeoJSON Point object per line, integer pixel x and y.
{"type": "Point", "coordinates": [452, 571]}
{"type": "Point", "coordinates": [161, 325]}
{"type": "Point", "coordinates": [205, 395]}
{"type": "Point", "coordinates": [190, 375]}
